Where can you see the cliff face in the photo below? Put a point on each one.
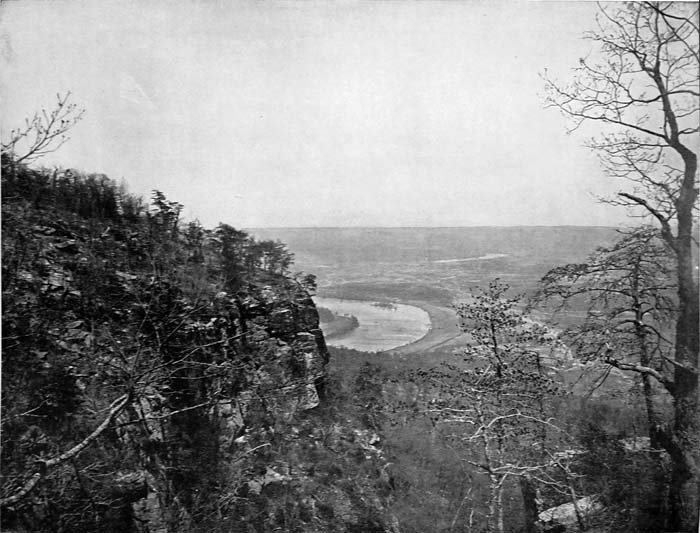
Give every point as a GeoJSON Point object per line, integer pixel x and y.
{"type": "Point", "coordinates": [160, 376]}
{"type": "Point", "coordinates": [233, 442]}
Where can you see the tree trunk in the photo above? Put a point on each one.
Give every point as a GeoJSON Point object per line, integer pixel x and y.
{"type": "Point", "coordinates": [530, 505]}
{"type": "Point", "coordinates": [685, 479]}
{"type": "Point", "coordinates": [501, 526]}
{"type": "Point", "coordinates": [645, 360]}
{"type": "Point", "coordinates": [494, 521]}
{"type": "Point", "coordinates": [493, 503]}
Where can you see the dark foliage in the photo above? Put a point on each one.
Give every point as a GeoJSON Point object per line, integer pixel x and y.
{"type": "Point", "coordinates": [153, 371]}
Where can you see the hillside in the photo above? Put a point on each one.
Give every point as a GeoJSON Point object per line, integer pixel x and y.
{"type": "Point", "coordinates": [160, 376]}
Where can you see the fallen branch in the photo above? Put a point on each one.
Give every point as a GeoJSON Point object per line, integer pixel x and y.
{"type": "Point", "coordinates": [45, 465]}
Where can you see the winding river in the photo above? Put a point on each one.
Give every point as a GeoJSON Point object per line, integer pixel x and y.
{"type": "Point", "coordinates": [381, 327]}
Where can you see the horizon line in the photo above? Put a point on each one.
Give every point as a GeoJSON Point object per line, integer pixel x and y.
{"type": "Point", "coordinates": [437, 227]}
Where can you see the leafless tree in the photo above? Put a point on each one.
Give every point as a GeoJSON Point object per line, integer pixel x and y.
{"type": "Point", "coordinates": [500, 412]}
{"type": "Point", "coordinates": [43, 133]}
{"type": "Point", "coordinates": [640, 86]}
{"type": "Point", "coordinates": [627, 291]}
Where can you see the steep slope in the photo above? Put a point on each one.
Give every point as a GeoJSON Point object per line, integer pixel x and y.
{"type": "Point", "coordinates": [159, 376]}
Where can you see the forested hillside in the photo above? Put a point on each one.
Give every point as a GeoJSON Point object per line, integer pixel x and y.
{"type": "Point", "coordinates": [159, 375]}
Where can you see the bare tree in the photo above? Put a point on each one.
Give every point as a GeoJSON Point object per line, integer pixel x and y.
{"type": "Point", "coordinates": [499, 410]}
{"type": "Point", "coordinates": [44, 133]}
{"type": "Point", "coordinates": [627, 291]}
{"type": "Point", "coordinates": [641, 88]}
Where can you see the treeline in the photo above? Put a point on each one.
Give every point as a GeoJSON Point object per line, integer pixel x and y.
{"type": "Point", "coordinates": [96, 196]}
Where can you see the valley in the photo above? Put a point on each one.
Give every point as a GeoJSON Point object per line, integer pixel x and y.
{"type": "Point", "coordinates": [431, 268]}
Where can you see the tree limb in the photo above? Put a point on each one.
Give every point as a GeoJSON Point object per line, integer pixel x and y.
{"type": "Point", "coordinates": [665, 226]}
{"type": "Point", "coordinates": [45, 465]}
{"type": "Point", "coordinates": [641, 369]}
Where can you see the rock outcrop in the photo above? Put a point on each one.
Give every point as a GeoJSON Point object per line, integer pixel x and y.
{"type": "Point", "coordinates": [158, 376]}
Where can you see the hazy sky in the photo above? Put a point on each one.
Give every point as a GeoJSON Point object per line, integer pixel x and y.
{"type": "Point", "coordinates": [389, 113]}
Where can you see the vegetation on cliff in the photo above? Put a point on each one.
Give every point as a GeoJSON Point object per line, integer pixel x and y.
{"type": "Point", "coordinates": [159, 375]}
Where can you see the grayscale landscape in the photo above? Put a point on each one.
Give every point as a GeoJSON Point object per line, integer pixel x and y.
{"type": "Point", "coordinates": [359, 267]}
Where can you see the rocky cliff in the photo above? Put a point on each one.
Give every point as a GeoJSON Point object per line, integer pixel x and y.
{"type": "Point", "coordinates": [159, 376]}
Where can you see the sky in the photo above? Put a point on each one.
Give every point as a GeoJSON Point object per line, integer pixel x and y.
{"type": "Point", "coordinates": [304, 114]}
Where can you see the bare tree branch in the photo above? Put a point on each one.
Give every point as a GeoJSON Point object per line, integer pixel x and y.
{"type": "Point", "coordinates": [45, 132]}
{"type": "Point", "coordinates": [47, 464]}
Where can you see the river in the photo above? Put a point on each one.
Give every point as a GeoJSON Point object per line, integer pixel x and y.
{"type": "Point", "coordinates": [381, 327]}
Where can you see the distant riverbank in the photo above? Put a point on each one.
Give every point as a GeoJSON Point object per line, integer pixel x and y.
{"type": "Point", "coordinates": [444, 332]}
